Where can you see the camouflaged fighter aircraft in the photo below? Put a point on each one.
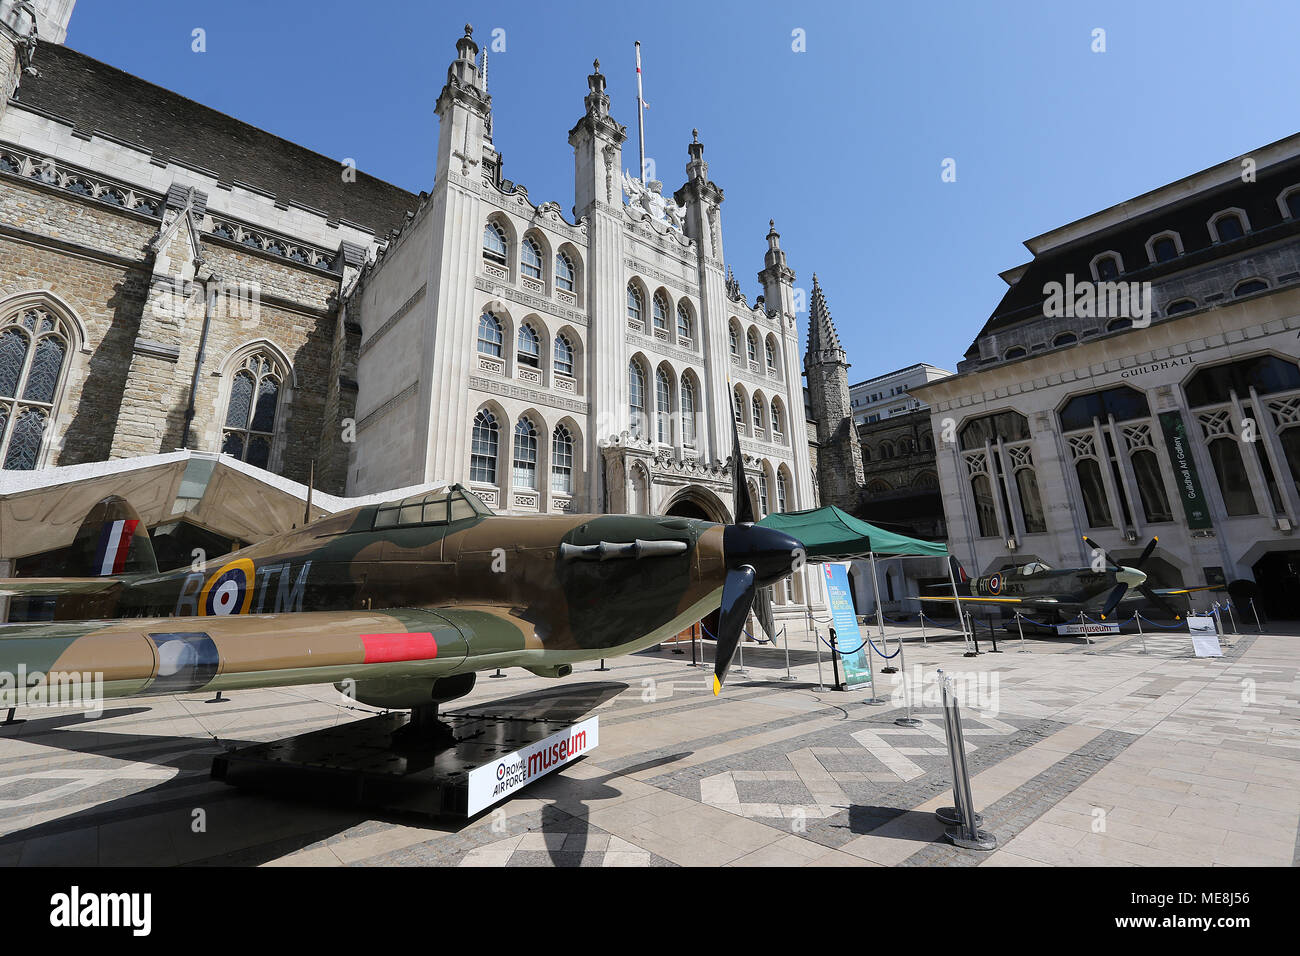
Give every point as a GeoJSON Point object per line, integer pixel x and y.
{"type": "Point", "coordinates": [1062, 593]}
{"type": "Point", "coordinates": [398, 604]}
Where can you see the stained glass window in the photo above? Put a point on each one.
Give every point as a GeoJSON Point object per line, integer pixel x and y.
{"type": "Point", "coordinates": [249, 431]}
{"type": "Point", "coordinates": [33, 350]}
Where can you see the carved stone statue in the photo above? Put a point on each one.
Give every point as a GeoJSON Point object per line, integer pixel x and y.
{"type": "Point", "coordinates": [650, 199]}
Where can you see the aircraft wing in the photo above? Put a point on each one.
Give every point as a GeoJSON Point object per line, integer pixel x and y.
{"type": "Point", "coordinates": [56, 587]}
{"type": "Point", "coordinates": [152, 656]}
{"type": "Point", "coordinates": [1203, 587]}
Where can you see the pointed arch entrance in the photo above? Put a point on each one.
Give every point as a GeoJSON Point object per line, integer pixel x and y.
{"type": "Point", "coordinates": [696, 501]}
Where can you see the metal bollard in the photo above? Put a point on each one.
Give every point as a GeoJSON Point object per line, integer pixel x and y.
{"type": "Point", "coordinates": [1137, 616]}
{"type": "Point", "coordinates": [1255, 611]}
{"type": "Point", "coordinates": [1020, 626]}
{"type": "Point", "coordinates": [786, 634]}
{"type": "Point", "coordinates": [909, 720]}
{"type": "Point", "coordinates": [497, 674]}
{"type": "Point", "coordinates": [923, 640]}
{"type": "Point", "coordinates": [817, 640]}
{"type": "Point", "coordinates": [964, 823]}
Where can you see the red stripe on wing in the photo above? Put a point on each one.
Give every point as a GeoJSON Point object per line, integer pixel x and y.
{"type": "Point", "coordinates": [385, 648]}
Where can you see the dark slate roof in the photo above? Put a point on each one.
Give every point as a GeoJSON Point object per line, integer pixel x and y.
{"type": "Point", "coordinates": [1187, 217]}
{"type": "Point", "coordinates": [94, 96]}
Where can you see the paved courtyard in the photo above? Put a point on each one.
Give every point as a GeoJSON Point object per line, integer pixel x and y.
{"type": "Point", "coordinates": [1128, 752]}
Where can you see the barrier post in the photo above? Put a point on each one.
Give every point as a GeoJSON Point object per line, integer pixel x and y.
{"type": "Point", "coordinates": [871, 669]}
{"type": "Point", "coordinates": [697, 633]}
{"type": "Point", "coordinates": [785, 633]}
{"type": "Point", "coordinates": [970, 623]}
{"type": "Point", "coordinates": [817, 639]}
{"type": "Point", "coordinates": [1137, 616]}
{"type": "Point", "coordinates": [741, 648]}
{"type": "Point", "coordinates": [956, 602]}
{"type": "Point", "coordinates": [1021, 627]}
{"type": "Point", "coordinates": [909, 720]}
{"type": "Point", "coordinates": [1255, 611]}
{"type": "Point", "coordinates": [602, 666]}
{"type": "Point", "coordinates": [993, 636]}
{"type": "Point", "coordinates": [964, 823]}
{"type": "Point", "coordinates": [880, 616]}
{"type": "Point", "coordinates": [497, 674]}
{"type": "Point", "coordinates": [1233, 618]}
{"type": "Point", "coordinates": [923, 640]}
{"type": "Point", "coordinates": [835, 661]}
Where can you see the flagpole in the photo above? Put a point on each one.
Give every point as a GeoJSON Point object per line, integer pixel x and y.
{"type": "Point", "coordinates": [640, 112]}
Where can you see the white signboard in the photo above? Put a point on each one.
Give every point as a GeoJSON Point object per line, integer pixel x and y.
{"type": "Point", "coordinates": [1064, 630]}
{"type": "Point", "coordinates": [497, 780]}
{"type": "Point", "coordinates": [1205, 636]}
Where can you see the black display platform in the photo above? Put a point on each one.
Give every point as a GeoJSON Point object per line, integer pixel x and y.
{"type": "Point", "coordinates": [358, 764]}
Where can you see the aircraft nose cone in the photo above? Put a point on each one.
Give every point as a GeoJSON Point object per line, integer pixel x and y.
{"type": "Point", "coordinates": [1131, 576]}
{"type": "Point", "coordinates": [771, 554]}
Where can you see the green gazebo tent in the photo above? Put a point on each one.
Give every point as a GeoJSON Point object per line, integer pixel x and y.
{"type": "Point", "coordinates": [829, 534]}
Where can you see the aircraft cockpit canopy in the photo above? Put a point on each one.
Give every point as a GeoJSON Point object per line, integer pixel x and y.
{"type": "Point", "coordinates": [1035, 567]}
{"type": "Point", "coordinates": [441, 506]}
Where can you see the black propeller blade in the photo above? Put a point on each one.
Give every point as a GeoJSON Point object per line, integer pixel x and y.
{"type": "Point", "coordinates": [1159, 601]}
{"type": "Point", "coordinates": [1114, 565]}
{"type": "Point", "coordinates": [763, 611]}
{"type": "Point", "coordinates": [1146, 553]}
{"type": "Point", "coordinates": [1112, 600]}
{"type": "Point", "coordinates": [737, 599]}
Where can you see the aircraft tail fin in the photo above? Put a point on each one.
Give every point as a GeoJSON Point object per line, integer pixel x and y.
{"type": "Point", "coordinates": [112, 540]}
{"type": "Point", "coordinates": [959, 575]}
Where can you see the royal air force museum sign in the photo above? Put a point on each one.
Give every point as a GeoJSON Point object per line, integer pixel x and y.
{"type": "Point", "coordinates": [495, 781]}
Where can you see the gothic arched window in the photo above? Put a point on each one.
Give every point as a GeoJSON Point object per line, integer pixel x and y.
{"type": "Point", "coordinates": [563, 355]}
{"type": "Point", "coordinates": [660, 308]}
{"type": "Point", "coordinates": [562, 460]}
{"type": "Point", "coordinates": [530, 258]}
{"type": "Point", "coordinates": [525, 461]}
{"type": "Point", "coordinates": [564, 272]}
{"type": "Point", "coordinates": [683, 321]}
{"type": "Point", "coordinates": [33, 349]}
{"type": "Point", "coordinates": [751, 345]}
{"type": "Point", "coordinates": [530, 347]}
{"type": "Point", "coordinates": [688, 412]}
{"type": "Point", "coordinates": [757, 407]}
{"type": "Point", "coordinates": [780, 491]}
{"type": "Point", "coordinates": [490, 339]}
{"type": "Point", "coordinates": [483, 450]}
{"type": "Point", "coordinates": [734, 342]}
{"type": "Point", "coordinates": [494, 243]}
{"type": "Point", "coordinates": [777, 428]}
{"type": "Point", "coordinates": [770, 351]}
{"type": "Point", "coordinates": [664, 407]}
{"type": "Point", "coordinates": [633, 304]}
{"type": "Point", "coordinates": [636, 397]}
{"type": "Point", "coordinates": [251, 410]}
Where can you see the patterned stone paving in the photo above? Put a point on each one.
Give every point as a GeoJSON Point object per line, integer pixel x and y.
{"type": "Point", "coordinates": [1189, 761]}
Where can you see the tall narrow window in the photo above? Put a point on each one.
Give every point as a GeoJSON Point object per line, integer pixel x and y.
{"type": "Point", "coordinates": [490, 338]}
{"type": "Point", "coordinates": [985, 510]}
{"type": "Point", "coordinates": [494, 243]}
{"type": "Point", "coordinates": [562, 460]}
{"type": "Point", "coordinates": [1234, 482]}
{"type": "Point", "coordinates": [634, 305]}
{"type": "Point", "coordinates": [664, 407]}
{"type": "Point", "coordinates": [734, 342]}
{"type": "Point", "coordinates": [688, 413]}
{"type": "Point", "coordinates": [250, 414]}
{"type": "Point", "coordinates": [564, 273]}
{"type": "Point", "coordinates": [770, 353]}
{"type": "Point", "coordinates": [1030, 502]}
{"type": "Point", "coordinates": [1095, 505]}
{"type": "Point", "coordinates": [756, 407]}
{"type": "Point", "coordinates": [751, 346]}
{"type": "Point", "coordinates": [683, 321]}
{"type": "Point", "coordinates": [780, 492]}
{"type": "Point", "coordinates": [483, 449]}
{"type": "Point", "coordinates": [530, 347]}
{"type": "Point", "coordinates": [33, 349]}
{"type": "Point", "coordinates": [777, 427]}
{"type": "Point", "coordinates": [762, 493]}
{"type": "Point", "coordinates": [738, 405]}
{"type": "Point", "coordinates": [525, 461]}
{"type": "Point", "coordinates": [563, 355]}
{"type": "Point", "coordinates": [636, 397]}
{"type": "Point", "coordinates": [660, 307]}
{"type": "Point", "coordinates": [1151, 488]}
{"type": "Point", "coordinates": [530, 258]}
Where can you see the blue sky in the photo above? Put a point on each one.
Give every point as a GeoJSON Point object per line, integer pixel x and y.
{"type": "Point", "coordinates": [842, 144]}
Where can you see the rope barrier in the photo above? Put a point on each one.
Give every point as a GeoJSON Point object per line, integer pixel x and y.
{"type": "Point", "coordinates": [771, 640]}
{"type": "Point", "coordinates": [1166, 627]}
{"type": "Point", "coordinates": [882, 654]}
{"type": "Point", "coordinates": [845, 653]}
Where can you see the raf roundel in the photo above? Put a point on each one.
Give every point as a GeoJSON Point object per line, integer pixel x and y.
{"type": "Point", "coordinates": [229, 590]}
{"type": "Point", "coordinates": [995, 584]}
